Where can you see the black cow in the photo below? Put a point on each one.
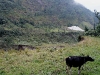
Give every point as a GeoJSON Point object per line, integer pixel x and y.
{"type": "Point", "coordinates": [77, 61]}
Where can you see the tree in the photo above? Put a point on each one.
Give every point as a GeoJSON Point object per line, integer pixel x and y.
{"type": "Point", "coordinates": [96, 31]}
{"type": "Point", "coordinates": [97, 14]}
{"type": "Point", "coordinates": [98, 28]}
{"type": "Point", "coordinates": [86, 29]}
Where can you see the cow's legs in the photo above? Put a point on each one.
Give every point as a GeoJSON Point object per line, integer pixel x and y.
{"type": "Point", "coordinates": [79, 70]}
{"type": "Point", "coordinates": [68, 70]}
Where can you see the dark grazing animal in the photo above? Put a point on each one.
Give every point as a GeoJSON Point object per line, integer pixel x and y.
{"type": "Point", "coordinates": [77, 61]}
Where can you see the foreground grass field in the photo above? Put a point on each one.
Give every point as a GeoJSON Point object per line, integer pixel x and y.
{"type": "Point", "coordinates": [49, 59]}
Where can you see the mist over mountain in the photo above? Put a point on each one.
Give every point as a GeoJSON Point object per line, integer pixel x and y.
{"type": "Point", "coordinates": [28, 17]}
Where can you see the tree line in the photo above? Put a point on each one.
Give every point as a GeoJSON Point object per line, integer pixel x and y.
{"type": "Point", "coordinates": [96, 30]}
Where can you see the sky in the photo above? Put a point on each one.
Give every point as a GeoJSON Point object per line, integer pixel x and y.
{"type": "Point", "coordinates": [90, 4]}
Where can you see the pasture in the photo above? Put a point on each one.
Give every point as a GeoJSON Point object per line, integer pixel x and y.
{"type": "Point", "coordinates": [49, 59]}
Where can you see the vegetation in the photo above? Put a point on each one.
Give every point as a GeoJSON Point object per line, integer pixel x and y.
{"type": "Point", "coordinates": [44, 13]}
{"type": "Point", "coordinates": [49, 59]}
{"type": "Point", "coordinates": [37, 38]}
{"type": "Point", "coordinates": [96, 31]}
{"type": "Point", "coordinates": [21, 21]}
{"type": "Point", "coordinates": [43, 24]}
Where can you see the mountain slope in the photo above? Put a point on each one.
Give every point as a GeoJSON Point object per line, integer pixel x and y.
{"type": "Point", "coordinates": [44, 12]}
{"type": "Point", "coordinates": [59, 12]}
{"type": "Point", "coordinates": [23, 19]}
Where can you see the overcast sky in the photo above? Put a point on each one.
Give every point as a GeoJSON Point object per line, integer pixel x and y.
{"type": "Point", "coordinates": [90, 4]}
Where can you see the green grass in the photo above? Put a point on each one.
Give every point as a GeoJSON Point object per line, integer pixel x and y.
{"type": "Point", "coordinates": [49, 59]}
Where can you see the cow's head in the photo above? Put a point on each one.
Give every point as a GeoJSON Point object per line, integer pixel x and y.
{"type": "Point", "coordinates": [88, 58]}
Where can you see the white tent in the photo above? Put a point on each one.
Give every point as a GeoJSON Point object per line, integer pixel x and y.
{"type": "Point", "coordinates": [75, 28]}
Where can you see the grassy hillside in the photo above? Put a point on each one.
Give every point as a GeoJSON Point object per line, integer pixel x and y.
{"type": "Point", "coordinates": [44, 13]}
{"type": "Point", "coordinates": [21, 21]}
{"type": "Point", "coordinates": [49, 59]}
